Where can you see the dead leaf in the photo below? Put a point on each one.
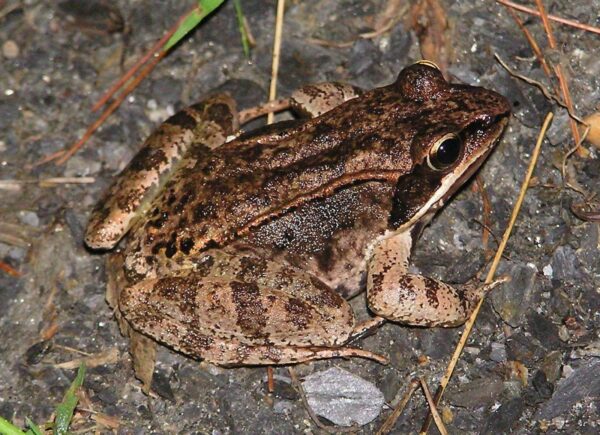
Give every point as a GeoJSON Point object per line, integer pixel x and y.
{"type": "Point", "coordinates": [108, 421]}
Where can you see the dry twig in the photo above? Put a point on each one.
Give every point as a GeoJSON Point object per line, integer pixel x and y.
{"type": "Point", "coordinates": [390, 422]}
{"type": "Point", "coordinates": [276, 53]}
{"type": "Point", "coordinates": [432, 408]}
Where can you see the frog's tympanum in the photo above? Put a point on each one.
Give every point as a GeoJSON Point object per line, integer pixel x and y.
{"type": "Point", "coordinates": [243, 251]}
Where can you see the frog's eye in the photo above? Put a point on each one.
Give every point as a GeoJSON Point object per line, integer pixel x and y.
{"type": "Point", "coordinates": [445, 152]}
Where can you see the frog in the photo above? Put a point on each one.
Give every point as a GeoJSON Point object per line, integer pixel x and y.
{"type": "Point", "coordinates": [243, 248]}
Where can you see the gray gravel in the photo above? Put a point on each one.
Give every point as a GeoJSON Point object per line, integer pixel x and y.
{"type": "Point", "coordinates": [520, 372]}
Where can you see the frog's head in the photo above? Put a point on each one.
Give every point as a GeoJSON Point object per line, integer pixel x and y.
{"type": "Point", "coordinates": [463, 125]}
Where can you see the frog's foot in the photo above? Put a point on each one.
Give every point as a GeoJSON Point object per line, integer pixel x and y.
{"type": "Point", "coordinates": [414, 299]}
{"type": "Point", "coordinates": [230, 322]}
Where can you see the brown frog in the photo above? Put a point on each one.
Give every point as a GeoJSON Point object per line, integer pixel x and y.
{"type": "Point", "coordinates": [243, 251]}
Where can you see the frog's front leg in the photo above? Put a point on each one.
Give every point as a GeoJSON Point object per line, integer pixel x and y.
{"type": "Point", "coordinates": [277, 315]}
{"type": "Point", "coordinates": [205, 124]}
{"type": "Point", "coordinates": [396, 294]}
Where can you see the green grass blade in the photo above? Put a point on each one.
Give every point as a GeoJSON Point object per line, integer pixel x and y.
{"type": "Point", "coordinates": [205, 7]}
{"type": "Point", "coordinates": [34, 429]}
{"type": "Point", "coordinates": [64, 411]}
{"type": "Point", "coordinates": [7, 428]}
{"type": "Point", "coordinates": [240, 19]}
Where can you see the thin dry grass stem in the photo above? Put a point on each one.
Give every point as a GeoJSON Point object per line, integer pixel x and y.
{"type": "Point", "coordinates": [328, 43]}
{"type": "Point", "coordinates": [45, 182]}
{"type": "Point", "coordinates": [271, 113]}
{"type": "Point", "coordinates": [549, 95]}
{"type": "Point", "coordinates": [390, 422]}
{"type": "Point", "coordinates": [534, 45]}
{"type": "Point", "coordinates": [391, 15]}
{"type": "Point", "coordinates": [564, 86]}
{"type": "Point", "coordinates": [110, 109]}
{"type": "Point", "coordinates": [9, 270]}
{"type": "Point", "coordinates": [54, 181]}
{"type": "Point", "coordinates": [106, 357]}
{"type": "Point", "coordinates": [45, 159]}
{"type": "Point", "coordinates": [569, 153]}
{"type": "Point", "coordinates": [490, 276]}
{"type": "Point", "coordinates": [14, 240]}
{"type": "Point", "coordinates": [486, 215]}
{"type": "Point", "coordinates": [329, 429]}
{"type": "Point", "coordinates": [270, 380]}
{"type": "Point", "coordinates": [542, 14]}
{"type": "Point", "coordinates": [560, 20]}
{"type": "Point", "coordinates": [276, 53]}
{"type": "Point", "coordinates": [71, 349]}
{"type": "Point", "coordinates": [150, 59]}
{"type": "Point", "coordinates": [432, 408]}
{"type": "Point", "coordinates": [156, 47]}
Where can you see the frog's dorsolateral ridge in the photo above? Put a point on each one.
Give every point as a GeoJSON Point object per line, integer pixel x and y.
{"type": "Point", "coordinates": [243, 252]}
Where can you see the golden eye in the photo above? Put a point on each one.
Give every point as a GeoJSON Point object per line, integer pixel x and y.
{"type": "Point", "coordinates": [445, 152]}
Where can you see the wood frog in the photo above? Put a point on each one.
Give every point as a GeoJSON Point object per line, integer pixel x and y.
{"type": "Point", "coordinates": [243, 250]}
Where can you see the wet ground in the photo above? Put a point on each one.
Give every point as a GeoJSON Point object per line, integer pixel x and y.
{"type": "Point", "coordinates": [531, 364]}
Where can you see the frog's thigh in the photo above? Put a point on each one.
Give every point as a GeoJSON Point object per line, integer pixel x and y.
{"type": "Point", "coordinates": [206, 124]}
{"type": "Point", "coordinates": [409, 298]}
{"type": "Point", "coordinates": [234, 322]}
{"type": "Point", "coordinates": [315, 99]}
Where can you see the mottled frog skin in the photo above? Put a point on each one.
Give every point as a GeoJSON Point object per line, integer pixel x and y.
{"type": "Point", "coordinates": [243, 252]}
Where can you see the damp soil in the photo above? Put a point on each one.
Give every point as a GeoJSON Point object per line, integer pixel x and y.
{"type": "Point", "coordinates": [531, 363]}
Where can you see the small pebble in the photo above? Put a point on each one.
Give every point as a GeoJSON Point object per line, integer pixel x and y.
{"type": "Point", "coordinates": [10, 49]}
{"type": "Point", "coordinates": [342, 397]}
{"type": "Point", "coordinates": [29, 218]}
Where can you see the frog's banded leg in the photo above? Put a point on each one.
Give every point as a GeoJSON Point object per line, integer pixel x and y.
{"type": "Point", "coordinates": [237, 323]}
{"type": "Point", "coordinates": [207, 123]}
{"type": "Point", "coordinates": [309, 101]}
{"type": "Point", "coordinates": [315, 99]}
{"type": "Point", "coordinates": [396, 294]}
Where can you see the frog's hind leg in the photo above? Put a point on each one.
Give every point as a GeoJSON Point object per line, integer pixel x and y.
{"type": "Point", "coordinates": [313, 100]}
{"type": "Point", "coordinates": [231, 322]}
{"type": "Point", "coordinates": [309, 101]}
{"type": "Point", "coordinates": [396, 294]}
{"type": "Point", "coordinates": [206, 124]}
